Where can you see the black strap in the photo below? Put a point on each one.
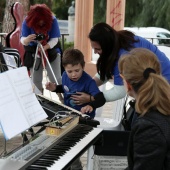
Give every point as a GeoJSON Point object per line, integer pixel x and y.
{"type": "Point", "coordinates": [127, 116]}
{"type": "Point", "coordinates": [124, 107]}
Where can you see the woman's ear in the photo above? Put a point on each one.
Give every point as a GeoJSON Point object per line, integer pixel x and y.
{"type": "Point", "coordinates": [129, 86]}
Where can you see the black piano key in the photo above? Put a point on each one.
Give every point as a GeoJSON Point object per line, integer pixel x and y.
{"type": "Point", "coordinates": [49, 157]}
{"type": "Point", "coordinates": [32, 167]}
{"type": "Point", "coordinates": [46, 160]}
{"type": "Point", "coordinates": [43, 163]}
{"type": "Point", "coordinates": [54, 107]}
{"type": "Point", "coordinates": [55, 153]}
{"type": "Point", "coordinates": [68, 145]}
{"type": "Point", "coordinates": [58, 151]}
{"type": "Point", "coordinates": [58, 147]}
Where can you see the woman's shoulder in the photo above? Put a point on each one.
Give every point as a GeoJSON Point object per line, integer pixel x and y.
{"type": "Point", "coordinates": [156, 120]}
{"type": "Point", "coordinates": [155, 116]}
{"type": "Point", "coordinates": [153, 123]}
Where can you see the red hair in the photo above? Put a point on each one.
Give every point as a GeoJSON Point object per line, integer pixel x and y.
{"type": "Point", "coordinates": [39, 12]}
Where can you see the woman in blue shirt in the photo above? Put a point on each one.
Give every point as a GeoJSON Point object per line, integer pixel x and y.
{"type": "Point", "coordinates": [110, 45]}
{"type": "Point", "coordinates": [40, 21]}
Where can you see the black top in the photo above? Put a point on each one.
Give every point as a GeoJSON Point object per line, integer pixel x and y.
{"type": "Point", "coordinates": [149, 143]}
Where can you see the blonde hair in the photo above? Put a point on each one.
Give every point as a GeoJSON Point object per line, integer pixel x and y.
{"type": "Point", "coordinates": [153, 91]}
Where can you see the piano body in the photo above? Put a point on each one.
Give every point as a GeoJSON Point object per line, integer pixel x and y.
{"type": "Point", "coordinates": [53, 152]}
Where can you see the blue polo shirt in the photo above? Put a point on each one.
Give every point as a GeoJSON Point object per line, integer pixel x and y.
{"type": "Point", "coordinates": [84, 84]}
{"type": "Point", "coordinates": [143, 43]}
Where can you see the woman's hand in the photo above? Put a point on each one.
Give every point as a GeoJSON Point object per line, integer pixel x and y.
{"type": "Point", "coordinates": [86, 109]}
{"type": "Point", "coordinates": [80, 98]}
{"type": "Point", "coordinates": [29, 38]}
{"type": "Point", "coordinates": [50, 86]}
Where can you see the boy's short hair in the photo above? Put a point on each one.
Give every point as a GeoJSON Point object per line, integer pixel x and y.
{"type": "Point", "coordinates": [73, 56]}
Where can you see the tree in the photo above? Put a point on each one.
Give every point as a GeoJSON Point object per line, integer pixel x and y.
{"type": "Point", "coordinates": [8, 21]}
{"type": "Point", "coordinates": [49, 3]}
{"type": "Point", "coordinates": [60, 8]}
{"type": "Point", "coordinates": [99, 11]}
{"type": "Point", "coordinates": [147, 13]}
{"type": "Point", "coordinates": [2, 8]}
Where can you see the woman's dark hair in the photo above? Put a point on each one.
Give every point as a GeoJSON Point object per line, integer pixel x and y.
{"type": "Point", "coordinates": [111, 41]}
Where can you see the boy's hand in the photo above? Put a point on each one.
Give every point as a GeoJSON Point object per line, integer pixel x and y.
{"type": "Point", "coordinates": [86, 109]}
{"type": "Point", "coordinates": [50, 86]}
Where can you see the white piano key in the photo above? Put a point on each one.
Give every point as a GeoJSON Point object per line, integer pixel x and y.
{"type": "Point", "coordinates": [69, 155]}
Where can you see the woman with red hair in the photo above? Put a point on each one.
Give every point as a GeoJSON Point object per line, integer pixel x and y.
{"type": "Point", "coordinates": [41, 21]}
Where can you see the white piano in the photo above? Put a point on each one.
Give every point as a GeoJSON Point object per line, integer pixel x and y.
{"type": "Point", "coordinates": [52, 153]}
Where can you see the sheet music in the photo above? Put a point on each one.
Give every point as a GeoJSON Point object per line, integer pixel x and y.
{"type": "Point", "coordinates": [19, 107]}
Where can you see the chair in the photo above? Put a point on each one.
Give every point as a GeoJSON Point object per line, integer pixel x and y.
{"type": "Point", "coordinates": [112, 152]}
{"type": "Point", "coordinates": [15, 53]}
{"type": "Point", "coordinates": [107, 124]}
{"type": "Point", "coordinates": [113, 123]}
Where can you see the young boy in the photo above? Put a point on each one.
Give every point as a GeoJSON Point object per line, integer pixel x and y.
{"type": "Point", "coordinates": [74, 81]}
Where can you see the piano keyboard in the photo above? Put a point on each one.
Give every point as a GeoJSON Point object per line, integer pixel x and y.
{"type": "Point", "coordinates": [52, 107]}
{"type": "Point", "coordinates": [57, 154]}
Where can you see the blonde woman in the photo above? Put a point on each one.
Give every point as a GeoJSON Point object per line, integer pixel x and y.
{"type": "Point", "coordinates": [149, 143]}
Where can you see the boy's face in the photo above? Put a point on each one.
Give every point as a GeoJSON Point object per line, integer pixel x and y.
{"type": "Point", "coordinates": [74, 72]}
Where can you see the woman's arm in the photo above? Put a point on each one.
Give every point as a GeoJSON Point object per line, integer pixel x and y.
{"type": "Point", "coordinates": [26, 40]}
{"type": "Point", "coordinates": [82, 97]}
{"type": "Point", "coordinates": [52, 42]}
{"type": "Point", "coordinates": [98, 101]}
{"type": "Point", "coordinates": [115, 93]}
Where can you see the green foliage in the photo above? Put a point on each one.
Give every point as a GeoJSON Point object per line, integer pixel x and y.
{"type": "Point", "coordinates": [99, 11]}
{"type": "Point", "coordinates": [47, 2]}
{"type": "Point", "coordinates": [60, 8]}
{"type": "Point", "coordinates": [68, 45]}
{"type": "Point", "coordinates": [148, 13]}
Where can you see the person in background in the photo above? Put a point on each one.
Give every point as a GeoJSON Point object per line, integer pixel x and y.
{"type": "Point", "coordinates": [74, 81]}
{"type": "Point", "coordinates": [149, 142]}
{"type": "Point", "coordinates": [42, 25]}
{"type": "Point", "coordinates": [110, 45]}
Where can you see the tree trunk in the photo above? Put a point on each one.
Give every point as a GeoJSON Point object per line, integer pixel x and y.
{"type": "Point", "coordinates": [8, 20]}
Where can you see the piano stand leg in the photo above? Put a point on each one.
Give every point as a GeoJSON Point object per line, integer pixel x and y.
{"type": "Point", "coordinates": [90, 153]}
{"type": "Point", "coordinates": [31, 132]}
{"type": "Point", "coordinates": [24, 137]}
